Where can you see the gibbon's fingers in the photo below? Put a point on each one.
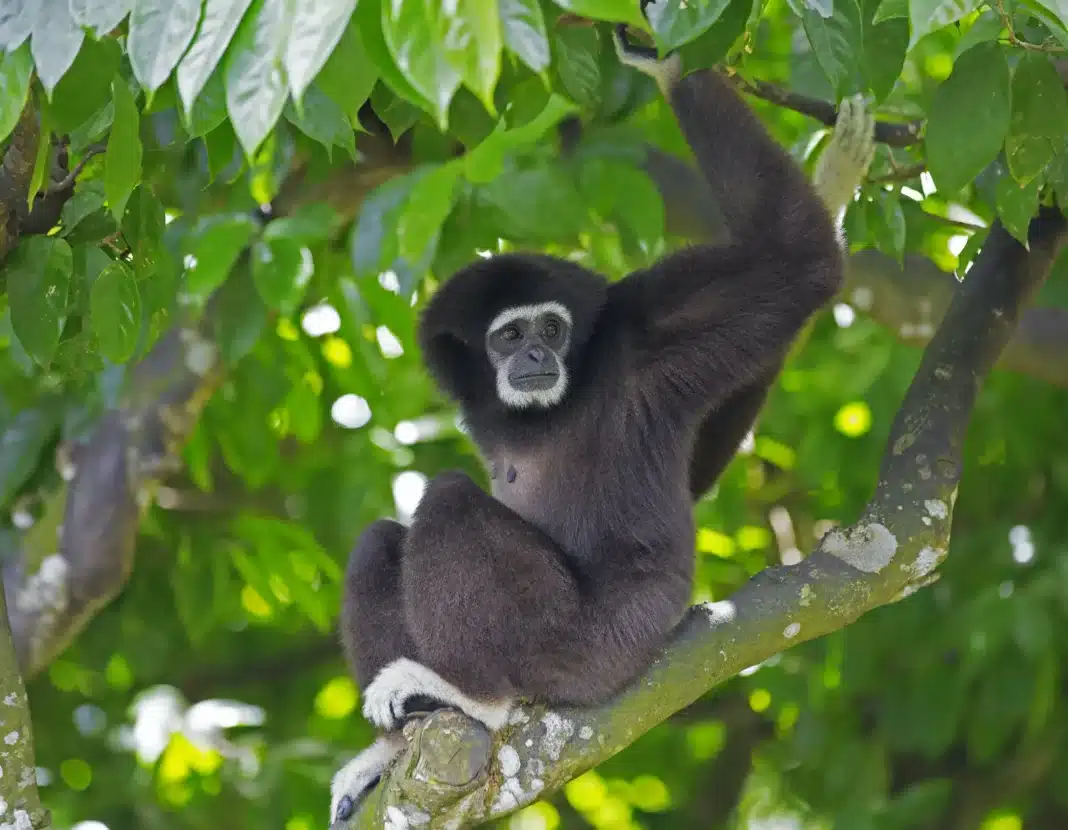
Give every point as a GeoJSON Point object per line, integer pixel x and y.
{"type": "Point", "coordinates": [848, 156]}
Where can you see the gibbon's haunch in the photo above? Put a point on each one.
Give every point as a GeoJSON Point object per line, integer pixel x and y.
{"type": "Point", "coordinates": [601, 410]}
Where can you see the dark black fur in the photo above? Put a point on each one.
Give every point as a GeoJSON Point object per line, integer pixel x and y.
{"type": "Point", "coordinates": [564, 587]}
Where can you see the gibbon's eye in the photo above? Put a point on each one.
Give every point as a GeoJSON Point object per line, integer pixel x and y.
{"type": "Point", "coordinates": [511, 333]}
{"type": "Point", "coordinates": [552, 328]}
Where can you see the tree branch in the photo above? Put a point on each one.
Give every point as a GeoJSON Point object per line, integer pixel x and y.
{"type": "Point", "coordinates": [454, 773]}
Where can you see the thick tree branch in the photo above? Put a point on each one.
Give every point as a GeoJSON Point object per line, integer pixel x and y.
{"type": "Point", "coordinates": [78, 557]}
{"type": "Point", "coordinates": [453, 773]}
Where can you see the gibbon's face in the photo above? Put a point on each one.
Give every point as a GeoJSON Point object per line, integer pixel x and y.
{"type": "Point", "coordinates": [527, 345]}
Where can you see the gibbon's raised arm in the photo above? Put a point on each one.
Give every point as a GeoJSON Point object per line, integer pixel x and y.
{"type": "Point", "coordinates": [715, 318]}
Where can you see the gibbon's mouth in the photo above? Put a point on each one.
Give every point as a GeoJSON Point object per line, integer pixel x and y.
{"type": "Point", "coordinates": [534, 380]}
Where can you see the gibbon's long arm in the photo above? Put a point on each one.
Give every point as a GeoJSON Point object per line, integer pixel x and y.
{"type": "Point", "coordinates": [716, 318]}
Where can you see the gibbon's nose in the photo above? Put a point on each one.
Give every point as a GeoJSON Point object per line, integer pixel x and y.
{"type": "Point", "coordinates": [536, 353]}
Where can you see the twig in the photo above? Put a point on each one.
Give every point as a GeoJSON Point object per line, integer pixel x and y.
{"type": "Point", "coordinates": [1006, 21]}
{"type": "Point", "coordinates": [895, 135]}
{"type": "Point", "coordinates": [68, 181]}
{"type": "Point", "coordinates": [899, 174]}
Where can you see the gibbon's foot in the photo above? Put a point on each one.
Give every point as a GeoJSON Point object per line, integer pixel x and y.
{"type": "Point", "coordinates": [405, 689]}
{"type": "Point", "coordinates": [359, 776]}
{"type": "Point", "coordinates": [665, 72]}
{"type": "Point", "coordinates": [845, 161]}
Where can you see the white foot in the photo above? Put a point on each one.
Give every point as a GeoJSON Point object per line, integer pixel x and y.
{"type": "Point", "coordinates": [352, 782]}
{"type": "Point", "coordinates": [384, 698]}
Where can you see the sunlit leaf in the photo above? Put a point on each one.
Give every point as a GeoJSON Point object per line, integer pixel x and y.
{"type": "Point", "coordinates": [55, 42]}
{"type": "Point", "coordinates": [925, 16]}
{"type": "Point", "coordinates": [429, 204]}
{"type": "Point", "coordinates": [418, 53]}
{"type": "Point", "coordinates": [675, 24]}
{"type": "Point", "coordinates": [102, 16]}
{"type": "Point", "coordinates": [349, 75]}
{"type": "Point", "coordinates": [615, 11]}
{"type": "Point", "coordinates": [281, 270]}
{"type": "Point", "coordinates": [160, 31]}
{"type": "Point", "coordinates": [256, 88]}
{"type": "Point", "coordinates": [16, 22]}
{"type": "Point", "coordinates": [471, 41]}
{"type": "Point", "coordinates": [525, 34]}
{"type": "Point", "coordinates": [316, 29]}
{"type": "Point", "coordinates": [217, 26]}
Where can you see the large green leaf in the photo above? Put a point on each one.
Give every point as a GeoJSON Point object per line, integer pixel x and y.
{"type": "Point", "coordinates": [577, 68]}
{"type": "Point", "coordinates": [122, 162]}
{"type": "Point", "coordinates": [16, 22]}
{"type": "Point", "coordinates": [115, 312]}
{"type": "Point", "coordinates": [22, 439]}
{"type": "Point", "coordinates": [85, 89]}
{"type": "Point", "coordinates": [1017, 205]}
{"type": "Point", "coordinates": [256, 88]}
{"type": "Point", "coordinates": [1039, 99]}
{"type": "Point", "coordinates": [15, 70]}
{"type": "Point", "coordinates": [322, 120]}
{"type": "Point", "coordinates": [838, 44]}
{"type": "Point", "coordinates": [160, 31]}
{"type": "Point", "coordinates": [38, 291]}
{"type": "Point", "coordinates": [418, 53]}
{"type": "Point", "coordinates": [472, 41]}
{"type": "Point", "coordinates": [427, 209]}
{"type": "Point", "coordinates": [615, 11]}
{"type": "Point", "coordinates": [55, 42]}
{"type": "Point", "coordinates": [968, 117]}
{"type": "Point", "coordinates": [217, 26]}
{"type": "Point", "coordinates": [525, 34]}
{"type": "Point", "coordinates": [281, 269]}
{"type": "Point", "coordinates": [373, 241]}
{"type": "Point", "coordinates": [317, 27]}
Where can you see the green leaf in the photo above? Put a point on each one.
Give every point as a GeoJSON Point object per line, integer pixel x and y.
{"type": "Point", "coordinates": [160, 31]}
{"type": "Point", "coordinates": [216, 243]}
{"type": "Point", "coordinates": [142, 228]}
{"type": "Point", "coordinates": [349, 75]}
{"type": "Point", "coordinates": [525, 34]}
{"type": "Point", "coordinates": [16, 22]}
{"type": "Point", "coordinates": [577, 69]}
{"type": "Point", "coordinates": [615, 11]}
{"type": "Point", "coordinates": [15, 70]}
{"type": "Point", "coordinates": [317, 27]}
{"type": "Point", "coordinates": [471, 39]}
{"type": "Point", "coordinates": [418, 53]}
{"type": "Point", "coordinates": [122, 161]}
{"type": "Point", "coordinates": [1027, 156]}
{"type": "Point", "coordinates": [38, 291]}
{"type": "Point", "coordinates": [889, 227]}
{"type": "Point", "coordinates": [86, 88]}
{"type": "Point", "coordinates": [256, 90]}
{"type": "Point", "coordinates": [837, 43]}
{"type": "Point", "coordinates": [209, 109]}
{"type": "Point", "coordinates": [891, 10]}
{"type": "Point", "coordinates": [306, 225]}
{"type": "Point", "coordinates": [1039, 99]}
{"type": "Point", "coordinates": [369, 21]}
{"type": "Point", "coordinates": [373, 241]}
{"type": "Point", "coordinates": [55, 42]}
{"type": "Point", "coordinates": [217, 26]}
{"type": "Point", "coordinates": [885, 45]}
{"type": "Point", "coordinates": [1017, 205]}
{"type": "Point", "coordinates": [540, 204]}
{"type": "Point", "coordinates": [102, 16]}
{"type": "Point", "coordinates": [428, 206]}
{"type": "Point", "coordinates": [281, 270]}
{"type": "Point", "coordinates": [618, 189]}
{"type": "Point", "coordinates": [925, 16]}
{"type": "Point", "coordinates": [397, 114]}
{"type": "Point", "coordinates": [968, 117]}
{"type": "Point", "coordinates": [87, 198]}
{"type": "Point", "coordinates": [675, 24]}
{"type": "Point", "coordinates": [322, 120]}
{"type": "Point", "coordinates": [22, 439]}
{"type": "Point", "coordinates": [115, 312]}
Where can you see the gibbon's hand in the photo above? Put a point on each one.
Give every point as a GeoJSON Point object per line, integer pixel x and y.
{"type": "Point", "coordinates": [845, 161]}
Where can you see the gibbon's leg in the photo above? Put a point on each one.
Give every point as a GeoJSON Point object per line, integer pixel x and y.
{"type": "Point", "coordinates": [483, 591]}
{"type": "Point", "coordinates": [359, 776]}
{"type": "Point", "coordinates": [373, 632]}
